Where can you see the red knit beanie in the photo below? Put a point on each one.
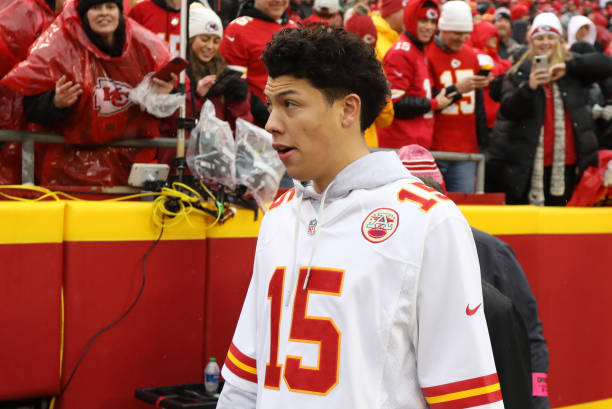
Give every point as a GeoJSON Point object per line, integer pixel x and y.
{"type": "Point", "coordinates": [518, 11]}
{"type": "Point", "coordinates": [363, 27]}
{"type": "Point", "coordinates": [391, 6]}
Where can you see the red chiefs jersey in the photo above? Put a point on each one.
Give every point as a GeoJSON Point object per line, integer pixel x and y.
{"type": "Point", "coordinates": [455, 126]}
{"type": "Point", "coordinates": [407, 69]}
{"type": "Point", "coordinates": [165, 23]}
{"type": "Point", "coordinates": [243, 43]}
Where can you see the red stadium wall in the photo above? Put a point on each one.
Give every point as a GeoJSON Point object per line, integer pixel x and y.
{"type": "Point", "coordinates": [197, 279]}
{"type": "Point", "coordinates": [570, 277]}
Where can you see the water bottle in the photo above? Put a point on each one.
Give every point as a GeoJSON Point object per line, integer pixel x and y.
{"type": "Point", "coordinates": [211, 376]}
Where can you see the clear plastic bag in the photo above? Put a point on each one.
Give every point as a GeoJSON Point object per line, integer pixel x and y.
{"type": "Point", "coordinates": [158, 105]}
{"type": "Point", "coordinates": [257, 164]}
{"type": "Point", "coordinates": [211, 153]}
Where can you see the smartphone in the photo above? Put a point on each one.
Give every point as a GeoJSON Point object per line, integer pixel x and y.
{"type": "Point", "coordinates": [175, 66]}
{"type": "Point", "coordinates": [540, 61]}
{"type": "Point", "coordinates": [143, 172]}
{"type": "Point", "coordinates": [484, 72]}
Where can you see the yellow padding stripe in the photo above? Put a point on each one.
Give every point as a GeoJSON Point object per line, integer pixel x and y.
{"type": "Point", "coordinates": [125, 221]}
{"type": "Point", "coordinates": [539, 220]}
{"type": "Point", "coordinates": [242, 225]}
{"type": "Point", "coordinates": [240, 365]}
{"type": "Point", "coordinates": [463, 394]}
{"type": "Point", "coordinates": [28, 223]}
{"type": "Point", "coordinates": [600, 404]}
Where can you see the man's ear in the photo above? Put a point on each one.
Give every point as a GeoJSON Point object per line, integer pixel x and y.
{"type": "Point", "coordinates": [351, 110]}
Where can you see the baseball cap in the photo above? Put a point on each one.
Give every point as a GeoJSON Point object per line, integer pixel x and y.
{"type": "Point", "coordinates": [502, 12]}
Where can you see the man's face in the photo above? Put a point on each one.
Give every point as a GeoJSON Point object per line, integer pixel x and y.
{"type": "Point", "coordinates": [454, 39]}
{"type": "Point", "coordinates": [304, 128]}
{"type": "Point", "coordinates": [426, 28]}
{"type": "Point", "coordinates": [582, 33]}
{"type": "Point", "coordinates": [272, 8]}
{"type": "Point", "coordinates": [396, 20]}
{"type": "Point", "coordinates": [503, 27]}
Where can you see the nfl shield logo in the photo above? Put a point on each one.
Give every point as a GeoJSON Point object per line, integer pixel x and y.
{"type": "Point", "coordinates": [312, 227]}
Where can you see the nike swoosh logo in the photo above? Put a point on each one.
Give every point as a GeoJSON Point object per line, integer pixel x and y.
{"type": "Point", "coordinates": [472, 311]}
{"type": "Point", "coordinates": [230, 38]}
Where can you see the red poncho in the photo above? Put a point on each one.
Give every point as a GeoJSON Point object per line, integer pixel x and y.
{"type": "Point", "coordinates": [103, 112]}
{"type": "Point", "coordinates": [21, 21]}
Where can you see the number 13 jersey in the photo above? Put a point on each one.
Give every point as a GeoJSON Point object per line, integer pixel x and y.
{"type": "Point", "coordinates": [389, 314]}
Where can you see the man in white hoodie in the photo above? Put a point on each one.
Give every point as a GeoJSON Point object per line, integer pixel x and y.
{"type": "Point", "coordinates": [366, 287]}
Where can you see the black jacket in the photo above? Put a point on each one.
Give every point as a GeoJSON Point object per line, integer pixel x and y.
{"type": "Point", "coordinates": [520, 118]}
{"type": "Point", "coordinates": [500, 268]}
{"type": "Point", "coordinates": [510, 347]}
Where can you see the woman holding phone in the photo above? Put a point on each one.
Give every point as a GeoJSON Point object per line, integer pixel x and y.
{"type": "Point", "coordinates": [77, 81]}
{"type": "Point", "coordinates": [544, 138]}
{"type": "Point", "coordinates": [209, 76]}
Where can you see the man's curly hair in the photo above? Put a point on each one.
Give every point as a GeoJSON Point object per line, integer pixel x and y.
{"type": "Point", "coordinates": [332, 60]}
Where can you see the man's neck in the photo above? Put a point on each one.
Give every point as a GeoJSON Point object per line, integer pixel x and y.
{"type": "Point", "coordinates": [175, 4]}
{"type": "Point", "coordinates": [349, 155]}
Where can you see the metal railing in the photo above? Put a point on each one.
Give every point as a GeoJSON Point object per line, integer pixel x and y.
{"type": "Point", "coordinates": [479, 158]}
{"type": "Point", "coordinates": [28, 139]}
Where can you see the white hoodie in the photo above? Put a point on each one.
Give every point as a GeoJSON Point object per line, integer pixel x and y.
{"type": "Point", "coordinates": [365, 296]}
{"type": "Point", "coordinates": [575, 23]}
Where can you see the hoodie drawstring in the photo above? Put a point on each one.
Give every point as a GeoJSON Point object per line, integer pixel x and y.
{"type": "Point", "coordinates": [296, 234]}
{"type": "Point", "coordinates": [316, 235]}
{"type": "Point", "coordinates": [296, 238]}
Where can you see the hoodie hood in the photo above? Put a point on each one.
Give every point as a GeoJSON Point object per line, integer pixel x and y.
{"type": "Point", "coordinates": [575, 23]}
{"type": "Point", "coordinates": [411, 15]}
{"type": "Point", "coordinates": [369, 171]}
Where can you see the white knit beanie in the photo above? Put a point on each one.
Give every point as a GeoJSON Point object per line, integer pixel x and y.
{"type": "Point", "coordinates": [203, 20]}
{"type": "Point", "coordinates": [546, 23]}
{"type": "Point", "coordinates": [456, 16]}
{"type": "Point", "coordinates": [331, 5]}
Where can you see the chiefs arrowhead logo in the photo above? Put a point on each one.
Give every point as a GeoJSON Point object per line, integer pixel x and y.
{"type": "Point", "coordinates": [369, 39]}
{"type": "Point", "coordinates": [379, 225]}
{"type": "Point", "coordinates": [111, 97]}
{"type": "Point", "coordinates": [455, 63]}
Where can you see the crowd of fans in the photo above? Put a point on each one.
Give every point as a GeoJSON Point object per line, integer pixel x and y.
{"type": "Point", "coordinates": [461, 77]}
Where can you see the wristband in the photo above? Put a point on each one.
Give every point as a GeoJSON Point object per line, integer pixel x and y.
{"type": "Point", "coordinates": [540, 383]}
{"type": "Point", "coordinates": [453, 93]}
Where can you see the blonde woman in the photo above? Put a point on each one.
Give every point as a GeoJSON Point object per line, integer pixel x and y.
{"type": "Point", "coordinates": [543, 138]}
